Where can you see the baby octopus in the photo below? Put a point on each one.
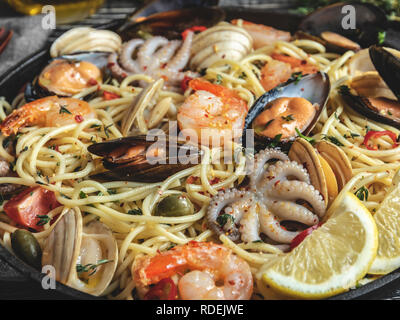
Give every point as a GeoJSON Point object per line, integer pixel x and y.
{"type": "Point", "coordinates": [277, 192]}
{"type": "Point", "coordinates": [157, 57]}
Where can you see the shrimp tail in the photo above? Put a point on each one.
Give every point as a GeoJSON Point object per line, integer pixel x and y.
{"type": "Point", "coordinates": [17, 119]}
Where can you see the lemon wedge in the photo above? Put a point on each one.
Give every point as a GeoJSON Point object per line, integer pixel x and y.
{"type": "Point", "coordinates": [387, 219]}
{"type": "Point", "coordinates": [332, 258]}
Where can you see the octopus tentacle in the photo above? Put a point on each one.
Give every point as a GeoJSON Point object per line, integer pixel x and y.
{"type": "Point", "coordinates": [270, 225]}
{"type": "Point", "coordinates": [250, 225]}
{"type": "Point", "coordinates": [167, 52]}
{"type": "Point", "coordinates": [259, 162]}
{"type": "Point", "coordinates": [217, 204]}
{"type": "Point", "coordinates": [181, 59]}
{"type": "Point", "coordinates": [115, 68]}
{"type": "Point", "coordinates": [127, 51]}
{"type": "Point", "coordinates": [287, 210]}
{"type": "Point", "coordinates": [298, 190]}
{"type": "Point", "coordinates": [146, 52]}
{"type": "Point", "coordinates": [281, 170]}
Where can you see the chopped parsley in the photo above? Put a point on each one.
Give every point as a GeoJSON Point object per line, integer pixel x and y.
{"type": "Point", "coordinates": [362, 193]}
{"type": "Point", "coordinates": [309, 139]}
{"type": "Point", "coordinates": [64, 109]}
{"type": "Point", "coordinates": [288, 118]}
{"type": "Point", "coordinates": [43, 219]}
{"type": "Point", "coordinates": [275, 141]}
{"type": "Point", "coordinates": [90, 267]}
{"type": "Point", "coordinates": [135, 212]}
{"type": "Point", "coordinates": [334, 140]}
{"type": "Point", "coordinates": [296, 77]}
{"type": "Point", "coordinates": [82, 195]}
{"type": "Point", "coordinates": [224, 218]}
{"type": "Point", "coordinates": [219, 79]}
{"type": "Point", "coordinates": [381, 37]}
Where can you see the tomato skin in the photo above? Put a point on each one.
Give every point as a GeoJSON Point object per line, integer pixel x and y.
{"type": "Point", "coordinates": [110, 95]}
{"type": "Point", "coordinates": [302, 235]}
{"type": "Point", "coordinates": [24, 207]}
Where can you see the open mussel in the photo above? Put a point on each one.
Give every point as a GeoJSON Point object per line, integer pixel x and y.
{"type": "Point", "coordinates": [376, 94]}
{"type": "Point", "coordinates": [144, 160]}
{"type": "Point", "coordinates": [171, 24]}
{"type": "Point", "coordinates": [279, 115]}
{"type": "Point", "coordinates": [349, 26]}
{"type": "Point", "coordinates": [68, 75]}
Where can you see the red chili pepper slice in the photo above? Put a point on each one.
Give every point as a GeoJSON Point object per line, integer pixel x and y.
{"type": "Point", "coordinates": [377, 134]}
{"type": "Point", "coordinates": [194, 29]}
{"type": "Point", "coordinates": [79, 118]}
{"type": "Point", "coordinates": [302, 235]}
{"type": "Point", "coordinates": [110, 95]}
{"type": "Point", "coordinates": [185, 83]}
{"type": "Point", "coordinates": [164, 290]}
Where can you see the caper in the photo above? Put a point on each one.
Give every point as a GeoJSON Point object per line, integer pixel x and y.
{"type": "Point", "coordinates": [175, 205]}
{"type": "Point", "coordinates": [27, 248]}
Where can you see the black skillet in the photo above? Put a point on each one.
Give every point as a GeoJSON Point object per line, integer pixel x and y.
{"type": "Point", "coordinates": [16, 275]}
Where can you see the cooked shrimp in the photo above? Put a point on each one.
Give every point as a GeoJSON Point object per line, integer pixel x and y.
{"type": "Point", "coordinates": [207, 264]}
{"type": "Point", "coordinates": [212, 111]}
{"type": "Point", "coordinates": [263, 35]}
{"type": "Point", "coordinates": [47, 112]}
{"type": "Point", "coordinates": [280, 69]}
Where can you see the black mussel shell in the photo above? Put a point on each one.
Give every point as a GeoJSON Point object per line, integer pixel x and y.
{"type": "Point", "coordinates": [34, 90]}
{"type": "Point", "coordinates": [171, 24]}
{"type": "Point", "coordinates": [363, 106]}
{"type": "Point", "coordinates": [329, 45]}
{"type": "Point", "coordinates": [314, 87]}
{"type": "Point", "coordinates": [369, 19]}
{"type": "Point", "coordinates": [143, 171]}
{"type": "Point", "coordinates": [388, 67]}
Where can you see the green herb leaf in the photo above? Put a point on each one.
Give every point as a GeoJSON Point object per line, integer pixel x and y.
{"type": "Point", "coordinates": [90, 267]}
{"type": "Point", "coordinates": [63, 109]}
{"type": "Point", "coordinates": [334, 140]}
{"type": "Point", "coordinates": [219, 79]}
{"type": "Point", "coordinates": [362, 193]}
{"type": "Point", "coordinates": [82, 195]}
{"type": "Point", "coordinates": [43, 219]}
{"type": "Point", "coordinates": [288, 118]}
{"type": "Point", "coordinates": [135, 212]}
{"type": "Point", "coordinates": [297, 76]}
{"type": "Point", "coordinates": [381, 37]}
{"type": "Point", "coordinates": [224, 218]}
{"type": "Point", "coordinates": [309, 139]}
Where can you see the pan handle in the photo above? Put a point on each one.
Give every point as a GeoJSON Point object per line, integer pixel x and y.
{"type": "Point", "coordinates": [8, 273]}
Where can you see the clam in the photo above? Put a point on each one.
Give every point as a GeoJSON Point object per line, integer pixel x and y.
{"type": "Point", "coordinates": [337, 160]}
{"type": "Point", "coordinates": [376, 94]}
{"type": "Point", "coordinates": [84, 257]}
{"type": "Point", "coordinates": [310, 91]}
{"type": "Point", "coordinates": [134, 113]}
{"type": "Point", "coordinates": [328, 22]}
{"type": "Point", "coordinates": [60, 78]}
{"type": "Point", "coordinates": [172, 23]}
{"type": "Point", "coordinates": [327, 165]}
{"type": "Point", "coordinates": [223, 41]}
{"type": "Point", "coordinates": [142, 160]}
